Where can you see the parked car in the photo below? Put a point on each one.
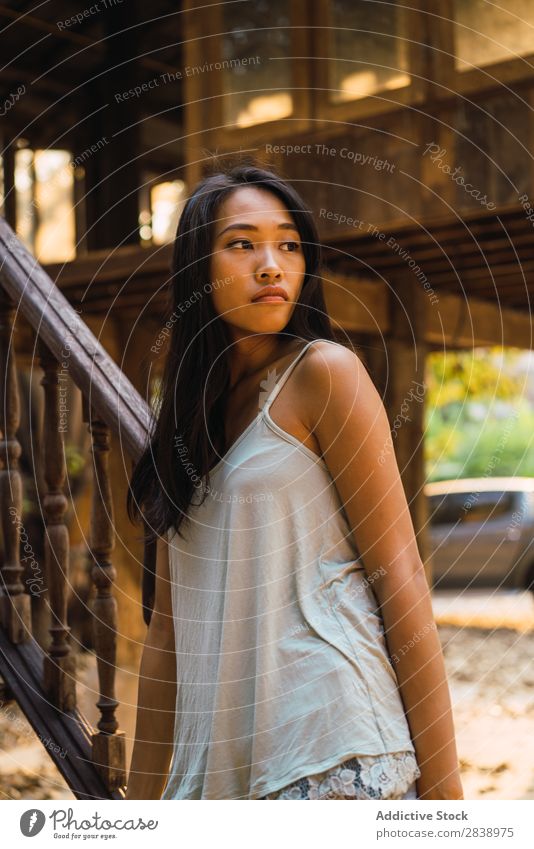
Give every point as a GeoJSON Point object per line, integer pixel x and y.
{"type": "Point", "coordinates": [482, 532]}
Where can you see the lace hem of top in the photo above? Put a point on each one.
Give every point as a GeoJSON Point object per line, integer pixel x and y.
{"type": "Point", "coordinates": [386, 776]}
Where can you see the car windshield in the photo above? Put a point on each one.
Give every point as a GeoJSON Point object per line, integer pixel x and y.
{"type": "Point", "coordinates": [469, 506]}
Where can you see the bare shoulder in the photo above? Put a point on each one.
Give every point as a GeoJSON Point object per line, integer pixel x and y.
{"type": "Point", "coordinates": [334, 355]}
{"type": "Point", "coordinates": [334, 377]}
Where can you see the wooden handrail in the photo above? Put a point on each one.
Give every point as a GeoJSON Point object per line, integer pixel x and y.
{"type": "Point", "coordinates": [55, 321]}
{"type": "Point", "coordinates": [94, 764]}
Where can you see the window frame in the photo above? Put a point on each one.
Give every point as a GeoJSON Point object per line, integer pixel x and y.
{"type": "Point", "coordinates": [452, 82]}
{"type": "Point", "coordinates": [204, 45]}
{"type": "Point", "coordinates": [383, 100]}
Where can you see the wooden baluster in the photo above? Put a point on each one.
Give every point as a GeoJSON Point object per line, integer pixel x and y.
{"type": "Point", "coordinates": [15, 607]}
{"type": "Point", "coordinates": [60, 663]}
{"type": "Point", "coordinates": [109, 752]}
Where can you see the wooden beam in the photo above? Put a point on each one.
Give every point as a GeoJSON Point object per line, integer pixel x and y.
{"type": "Point", "coordinates": [464, 323]}
{"type": "Point", "coordinates": [355, 304]}
{"type": "Point", "coordinates": [361, 306]}
{"type": "Point", "coordinates": [505, 218]}
{"type": "Point", "coordinates": [467, 276]}
{"type": "Point", "coordinates": [128, 261]}
{"type": "Point", "coordinates": [98, 45]}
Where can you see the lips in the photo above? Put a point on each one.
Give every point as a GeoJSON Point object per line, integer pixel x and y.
{"type": "Point", "coordinates": [271, 294]}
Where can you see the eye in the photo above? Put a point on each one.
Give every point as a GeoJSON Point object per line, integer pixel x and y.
{"type": "Point", "coordinates": [240, 241]}
{"type": "Point", "coordinates": [295, 246]}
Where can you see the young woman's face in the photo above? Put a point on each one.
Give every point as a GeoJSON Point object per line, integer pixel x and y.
{"type": "Point", "coordinates": [256, 245]}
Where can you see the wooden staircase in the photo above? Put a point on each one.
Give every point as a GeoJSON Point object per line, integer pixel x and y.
{"type": "Point", "coordinates": [43, 683]}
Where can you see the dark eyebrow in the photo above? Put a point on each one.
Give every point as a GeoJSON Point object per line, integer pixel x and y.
{"type": "Point", "coordinates": [285, 225]}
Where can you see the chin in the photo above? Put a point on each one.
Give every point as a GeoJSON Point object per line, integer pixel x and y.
{"type": "Point", "coordinates": [272, 321]}
{"type": "Point", "coordinates": [270, 325]}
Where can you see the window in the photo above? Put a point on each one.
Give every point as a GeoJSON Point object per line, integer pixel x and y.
{"type": "Point", "coordinates": [488, 506]}
{"type": "Point", "coordinates": [44, 185]}
{"type": "Point", "coordinates": [256, 66]}
{"type": "Point", "coordinates": [167, 201]}
{"type": "Point", "coordinates": [471, 506]}
{"type": "Point", "coordinates": [488, 32]}
{"type": "Point", "coordinates": [376, 34]}
{"type": "Point", "coordinates": [160, 206]}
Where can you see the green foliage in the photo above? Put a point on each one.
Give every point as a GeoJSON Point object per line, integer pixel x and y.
{"type": "Point", "coordinates": [75, 461]}
{"type": "Point", "coordinates": [478, 420]}
{"type": "Point", "coordinates": [501, 447]}
{"type": "Point", "coordinates": [478, 374]}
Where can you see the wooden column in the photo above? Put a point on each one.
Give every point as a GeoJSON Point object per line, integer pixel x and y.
{"type": "Point", "coordinates": [10, 197]}
{"type": "Point", "coordinates": [113, 173]}
{"type": "Point", "coordinates": [15, 608]}
{"type": "Point", "coordinates": [109, 751]}
{"type": "Point", "coordinates": [59, 664]}
{"type": "Point", "coordinates": [356, 342]}
{"type": "Point", "coordinates": [377, 362]}
{"type": "Point", "coordinates": [197, 27]}
{"type": "Point", "coordinates": [405, 399]}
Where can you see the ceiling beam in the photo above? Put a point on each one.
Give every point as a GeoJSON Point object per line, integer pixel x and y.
{"type": "Point", "coordinates": [354, 304]}
{"type": "Point", "coordinates": [75, 38]}
{"type": "Point", "coordinates": [362, 306]}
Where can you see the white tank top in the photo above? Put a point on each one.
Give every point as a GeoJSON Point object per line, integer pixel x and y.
{"type": "Point", "coordinates": [282, 665]}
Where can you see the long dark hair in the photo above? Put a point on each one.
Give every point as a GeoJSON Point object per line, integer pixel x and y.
{"type": "Point", "coordinates": [189, 423]}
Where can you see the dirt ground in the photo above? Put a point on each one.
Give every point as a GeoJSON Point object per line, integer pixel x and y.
{"type": "Point", "coordinates": [491, 677]}
{"type": "Point", "coordinates": [488, 645]}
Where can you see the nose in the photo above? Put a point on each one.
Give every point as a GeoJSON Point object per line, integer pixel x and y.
{"type": "Point", "coordinates": [267, 269]}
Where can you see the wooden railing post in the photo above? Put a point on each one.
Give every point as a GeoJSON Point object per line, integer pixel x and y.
{"type": "Point", "coordinates": [15, 607]}
{"type": "Point", "coordinates": [92, 765]}
{"type": "Point", "coordinates": [59, 667]}
{"type": "Point", "coordinates": [109, 752]}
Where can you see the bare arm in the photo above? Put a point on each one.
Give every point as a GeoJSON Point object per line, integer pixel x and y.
{"type": "Point", "coordinates": [348, 418]}
{"type": "Point", "coordinates": [154, 732]}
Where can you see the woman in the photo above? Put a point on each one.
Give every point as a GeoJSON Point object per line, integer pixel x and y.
{"type": "Point", "coordinates": [281, 659]}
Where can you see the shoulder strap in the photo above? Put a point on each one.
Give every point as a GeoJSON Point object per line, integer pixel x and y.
{"type": "Point", "coordinates": [285, 374]}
